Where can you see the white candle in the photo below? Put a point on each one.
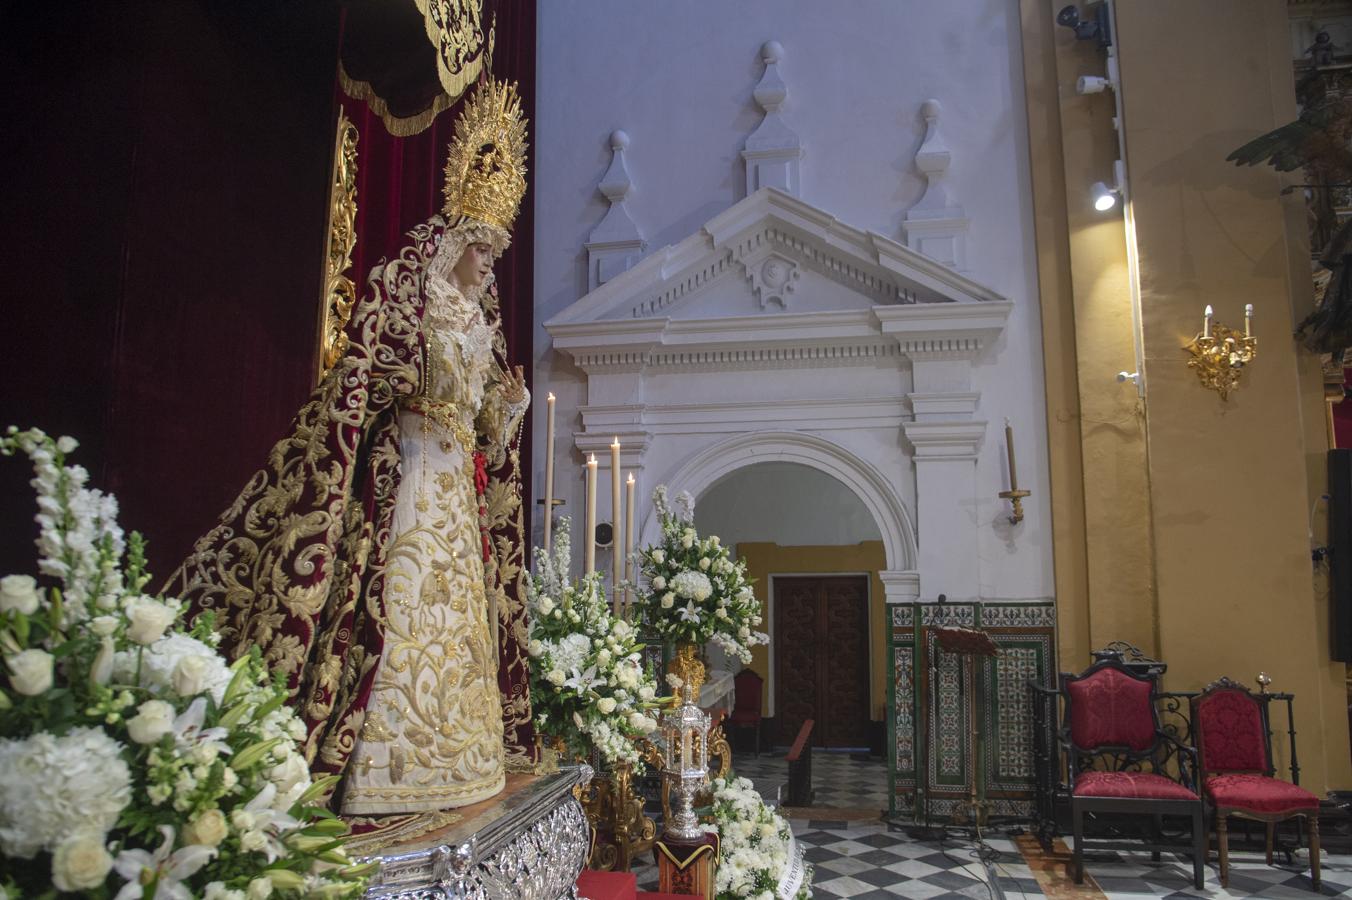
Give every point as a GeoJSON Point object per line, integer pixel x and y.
{"type": "Point", "coordinates": [1206, 322]}
{"type": "Point", "coordinates": [549, 472]}
{"type": "Point", "coordinates": [1009, 448]}
{"type": "Point", "coordinates": [589, 533]}
{"type": "Point", "coordinates": [617, 527]}
{"type": "Point", "coordinates": [629, 506]}
{"type": "Point", "coordinates": [1248, 320]}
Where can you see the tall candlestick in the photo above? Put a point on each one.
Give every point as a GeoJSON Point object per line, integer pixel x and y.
{"type": "Point", "coordinates": [549, 472]}
{"type": "Point", "coordinates": [617, 528]}
{"type": "Point", "coordinates": [1009, 448]}
{"type": "Point", "coordinates": [1206, 322]}
{"type": "Point", "coordinates": [629, 506]}
{"type": "Point", "coordinates": [1248, 320]}
{"type": "Point", "coordinates": [589, 534]}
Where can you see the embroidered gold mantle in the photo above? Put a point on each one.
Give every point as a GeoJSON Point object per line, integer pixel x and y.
{"type": "Point", "coordinates": [310, 560]}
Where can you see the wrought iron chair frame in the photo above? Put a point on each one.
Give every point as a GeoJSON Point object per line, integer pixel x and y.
{"type": "Point", "coordinates": [1164, 752]}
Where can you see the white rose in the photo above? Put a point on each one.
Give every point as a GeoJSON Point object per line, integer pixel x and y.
{"type": "Point", "coordinates": [242, 819]}
{"type": "Point", "coordinates": [668, 599]}
{"type": "Point", "coordinates": [546, 605]}
{"type": "Point", "coordinates": [103, 625]}
{"type": "Point", "coordinates": [659, 556]}
{"type": "Point", "coordinates": [603, 658]}
{"type": "Point", "coordinates": [102, 670]}
{"type": "Point", "coordinates": [688, 541]}
{"type": "Point", "coordinates": [744, 632]}
{"type": "Point", "coordinates": [148, 618]}
{"type": "Point", "coordinates": [646, 692]}
{"type": "Point", "coordinates": [217, 890]}
{"type": "Point", "coordinates": [535, 648]}
{"type": "Point", "coordinates": [260, 888]}
{"type": "Point", "coordinates": [606, 705]}
{"type": "Point", "coordinates": [80, 862]}
{"type": "Point", "coordinates": [19, 592]}
{"type": "Point", "coordinates": [556, 677]}
{"type": "Point", "coordinates": [30, 671]}
{"type": "Point", "coordinates": [190, 675]}
{"type": "Point", "coordinates": [153, 720]}
{"type": "Point", "coordinates": [659, 582]}
{"type": "Point", "coordinates": [289, 773]}
{"type": "Point", "coordinates": [705, 563]}
{"type": "Point", "coordinates": [636, 721]}
{"type": "Point", "coordinates": [252, 841]}
{"type": "Point", "coordinates": [208, 829]}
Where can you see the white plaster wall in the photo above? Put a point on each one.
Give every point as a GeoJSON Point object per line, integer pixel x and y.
{"type": "Point", "coordinates": [678, 77]}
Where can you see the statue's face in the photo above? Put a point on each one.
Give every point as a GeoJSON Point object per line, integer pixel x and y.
{"type": "Point", "coordinates": [474, 266]}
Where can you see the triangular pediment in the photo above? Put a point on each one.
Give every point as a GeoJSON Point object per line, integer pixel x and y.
{"type": "Point", "coordinates": [789, 255]}
{"type": "Point", "coordinates": [773, 269]}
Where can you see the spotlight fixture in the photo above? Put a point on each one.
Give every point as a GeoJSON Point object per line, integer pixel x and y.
{"type": "Point", "coordinates": [1105, 198]}
{"type": "Point", "coordinates": [1094, 28]}
{"type": "Point", "coordinates": [1092, 84]}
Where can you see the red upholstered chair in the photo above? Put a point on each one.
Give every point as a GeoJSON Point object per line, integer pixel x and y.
{"type": "Point", "coordinates": [1231, 730]}
{"type": "Point", "coordinates": [1118, 761]}
{"type": "Point", "coordinates": [746, 704]}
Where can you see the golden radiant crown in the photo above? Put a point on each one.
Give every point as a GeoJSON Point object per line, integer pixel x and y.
{"type": "Point", "coordinates": [486, 169]}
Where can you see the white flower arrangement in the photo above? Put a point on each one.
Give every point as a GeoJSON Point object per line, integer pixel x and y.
{"type": "Point", "coordinates": [754, 844]}
{"type": "Point", "coordinates": [134, 761]}
{"type": "Point", "coordinates": [695, 592]}
{"type": "Point", "coordinates": [589, 689]}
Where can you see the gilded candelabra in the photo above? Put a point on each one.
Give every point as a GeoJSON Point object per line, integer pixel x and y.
{"type": "Point", "coordinates": [1219, 354]}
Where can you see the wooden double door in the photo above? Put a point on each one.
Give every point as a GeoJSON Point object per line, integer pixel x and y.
{"type": "Point", "coordinates": [821, 658]}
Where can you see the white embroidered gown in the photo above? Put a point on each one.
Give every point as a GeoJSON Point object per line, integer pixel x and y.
{"type": "Point", "coordinates": [433, 733]}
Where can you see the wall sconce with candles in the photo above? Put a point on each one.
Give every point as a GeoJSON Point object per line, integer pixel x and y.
{"type": "Point", "coordinates": [1013, 495]}
{"type": "Point", "coordinates": [1219, 354]}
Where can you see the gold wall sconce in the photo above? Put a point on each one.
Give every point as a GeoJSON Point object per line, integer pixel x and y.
{"type": "Point", "coordinates": [1013, 495]}
{"type": "Point", "coordinates": [1219, 354]}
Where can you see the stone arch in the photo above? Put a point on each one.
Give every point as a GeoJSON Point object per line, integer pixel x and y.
{"type": "Point", "coordinates": [877, 494]}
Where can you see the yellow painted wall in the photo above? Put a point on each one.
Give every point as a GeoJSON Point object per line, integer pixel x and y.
{"type": "Point", "coordinates": [1181, 522]}
{"type": "Point", "coordinates": [1096, 428]}
{"type": "Point", "coordinates": [1230, 497]}
{"type": "Point", "coordinates": [766, 559]}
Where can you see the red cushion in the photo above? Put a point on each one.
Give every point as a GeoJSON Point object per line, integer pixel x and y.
{"type": "Point", "coordinates": [745, 717]}
{"type": "Point", "coordinates": [1259, 794]}
{"type": "Point", "coordinates": [1231, 732]}
{"type": "Point", "coordinates": [607, 885]}
{"type": "Point", "coordinates": [1110, 707]}
{"type": "Point", "coordinates": [1130, 785]}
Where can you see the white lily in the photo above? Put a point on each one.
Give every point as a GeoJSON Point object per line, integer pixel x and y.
{"type": "Point", "coordinates": [273, 823]}
{"type": "Point", "coordinates": [584, 681]}
{"type": "Point", "coordinates": [688, 612]}
{"type": "Point", "coordinates": [165, 869]}
{"type": "Point", "coordinates": [189, 733]}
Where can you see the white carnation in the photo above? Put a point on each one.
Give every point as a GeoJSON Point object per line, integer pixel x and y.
{"type": "Point", "coordinates": [52, 787]}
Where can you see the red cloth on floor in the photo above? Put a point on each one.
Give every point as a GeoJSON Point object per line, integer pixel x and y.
{"type": "Point", "coordinates": [653, 895]}
{"type": "Point", "coordinates": [607, 885]}
{"type": "Point", "coordinates": [1130, 785]}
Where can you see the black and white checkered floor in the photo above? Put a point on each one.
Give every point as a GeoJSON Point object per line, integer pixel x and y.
{"type": "Point", "coordinates": [868, 859]}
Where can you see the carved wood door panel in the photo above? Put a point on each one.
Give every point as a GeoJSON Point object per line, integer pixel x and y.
{"type": "Point", "coordinates": [821, 658]}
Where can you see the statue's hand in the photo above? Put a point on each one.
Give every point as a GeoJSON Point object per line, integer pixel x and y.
{"type": "Point", "coordinates": [514, 385]}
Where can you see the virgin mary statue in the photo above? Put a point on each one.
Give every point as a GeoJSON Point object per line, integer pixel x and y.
{"type": "Point", "coordinates": [355, 558]}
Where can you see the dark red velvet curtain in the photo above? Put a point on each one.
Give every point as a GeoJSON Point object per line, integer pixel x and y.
{"type": "Point", "coordinates": [163, 199]}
